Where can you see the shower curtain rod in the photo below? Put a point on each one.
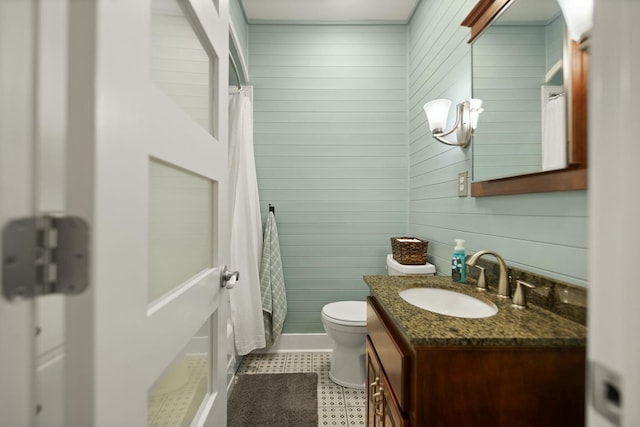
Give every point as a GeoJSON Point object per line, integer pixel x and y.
{"type": "Point", "coordinates": [235, 71]}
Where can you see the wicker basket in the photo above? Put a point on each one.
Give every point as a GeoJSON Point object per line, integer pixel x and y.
{"type": "Point", "coordinates": [409, 250]}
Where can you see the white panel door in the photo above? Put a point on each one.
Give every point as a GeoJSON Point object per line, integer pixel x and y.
{"type": "Point", "coordinates": [148, 145]}
{"type": "Point", "coordinates": [146, 167]}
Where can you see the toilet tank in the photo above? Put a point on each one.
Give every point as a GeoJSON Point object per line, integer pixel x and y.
{"type": "Point", "coordinates": [394, 268]}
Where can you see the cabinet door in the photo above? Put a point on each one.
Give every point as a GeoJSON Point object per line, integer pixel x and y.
{"type": "Point", "coordinates": [392, 351]}
{"type": "Point", "coordinates": [373, 381]}
{"type": "Point", "coordinates": [382, 408]}
{"type": "Point", "coordinates": [389, 414]}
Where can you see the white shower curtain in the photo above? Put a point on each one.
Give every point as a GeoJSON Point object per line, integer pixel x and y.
{"type": "Point", "coordinates": [246, 227]}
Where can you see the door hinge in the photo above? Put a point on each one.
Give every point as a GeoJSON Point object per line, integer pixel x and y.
{"type": "Point", "coordinates": [45, 255]}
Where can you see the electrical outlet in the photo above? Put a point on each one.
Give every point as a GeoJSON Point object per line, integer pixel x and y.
{"type": "Point", "coordinates": [606, 392]}
{"type": "Point", "coordinates": [463, 187]}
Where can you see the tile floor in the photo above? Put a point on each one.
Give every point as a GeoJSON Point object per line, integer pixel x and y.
{"type": "Point", "coordinates": [337, 406]}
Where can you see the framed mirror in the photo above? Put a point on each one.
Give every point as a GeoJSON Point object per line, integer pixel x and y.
{"type": "Point", "coordinates": [533, 81]}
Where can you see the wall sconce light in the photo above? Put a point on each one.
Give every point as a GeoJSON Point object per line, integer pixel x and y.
{"type": "Point", "coordinates": [578, 15]}
{"type": "Point", "coordinates": [466, 120]}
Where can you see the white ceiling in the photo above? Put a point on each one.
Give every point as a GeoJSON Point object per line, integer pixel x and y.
{"type": "Point", "coordinates": [531, 11]}
{"type": "Point", "coordinates": [395, 11]}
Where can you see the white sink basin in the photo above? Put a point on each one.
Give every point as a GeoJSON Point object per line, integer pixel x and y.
{"type": "Point", "coordinates": [449, 303]}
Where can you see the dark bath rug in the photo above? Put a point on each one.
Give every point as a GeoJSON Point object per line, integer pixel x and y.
{"type": "Point", "coordinates": [274, 400]}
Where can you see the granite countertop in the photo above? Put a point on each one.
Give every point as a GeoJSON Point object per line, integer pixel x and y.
{"type": "Point", "coordinates": [533, 326]}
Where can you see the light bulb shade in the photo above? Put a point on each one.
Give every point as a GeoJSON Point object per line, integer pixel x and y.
{"type": "Point", "coordinates": [475, 104]}
{"type": "Point", "coordinates": [578, 15]}
{"type": "Point", "coordinates": [437, 112]}
{"type": "Point", "coordinates": [476, 108]}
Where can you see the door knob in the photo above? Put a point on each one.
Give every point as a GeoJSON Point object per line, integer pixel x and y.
{"type": "Point", "coordinates": [228, 279]}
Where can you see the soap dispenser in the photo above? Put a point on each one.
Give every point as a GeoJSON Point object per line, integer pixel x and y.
{"type": "Point", "coordinates": [459, 263]}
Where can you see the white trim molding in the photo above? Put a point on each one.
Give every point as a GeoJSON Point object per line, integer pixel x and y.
{"type": "Point", "coordinates": [299, 343]}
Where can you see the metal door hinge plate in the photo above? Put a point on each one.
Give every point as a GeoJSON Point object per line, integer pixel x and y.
{"type": "Point", "coordinates": [45, 255]}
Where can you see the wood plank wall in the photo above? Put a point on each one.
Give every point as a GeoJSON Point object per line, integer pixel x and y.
{"type": "Point", "coordinates": [343, 152]}
{"type": "Point", "coordinates": [242, 28]}
{"type": "Point", "coordinates": [510, 63]}
{"type": "Point", "coordinates": [543, 233]}
{"type": "Point", "coordinates": [330, 141]}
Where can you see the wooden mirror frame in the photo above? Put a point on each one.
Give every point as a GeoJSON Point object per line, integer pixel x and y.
{"type": "Point", "coordinates": [574, 176]}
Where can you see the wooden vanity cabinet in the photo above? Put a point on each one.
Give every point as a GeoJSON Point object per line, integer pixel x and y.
{"type": "Point", "coordinates": [479, 386]}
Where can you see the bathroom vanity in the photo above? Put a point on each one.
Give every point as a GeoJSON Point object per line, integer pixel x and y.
{"type": "Point", "coordinates": [523, 368]}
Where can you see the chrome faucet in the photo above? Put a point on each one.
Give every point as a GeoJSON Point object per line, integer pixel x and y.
{"type": "Point", "coordinates": [503, 284]}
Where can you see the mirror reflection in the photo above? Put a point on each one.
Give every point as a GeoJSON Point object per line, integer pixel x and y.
{"type": "Point", "coordinates": [518, 73]}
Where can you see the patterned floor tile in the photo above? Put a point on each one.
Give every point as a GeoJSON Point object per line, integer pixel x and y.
{"type": "Point", "coordinates": [250, 364]}
{"type": "Point", "coordinates": [329, 417]}
{"type": "Point", "coordinates": [337, 406]}
{"type": "Point", "coordinates": [299, 362]}
{"type": "Point", "coordinates": [354, 397]}
{"type": "Point", "coordinates": [330, 396]}
{"type": "Point", "coordinates": [323, 379]}
{"type": "Point", "coordinates": [356, 416]}
{"type": "Point", "coordinates": [273, 363]}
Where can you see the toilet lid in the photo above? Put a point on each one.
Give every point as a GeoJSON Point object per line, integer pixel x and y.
{"type": "Point", "coordinates": [347, 312]}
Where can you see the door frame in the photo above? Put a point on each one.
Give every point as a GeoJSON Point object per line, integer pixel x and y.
{"type": "Point", "coordinates": [17, 145]}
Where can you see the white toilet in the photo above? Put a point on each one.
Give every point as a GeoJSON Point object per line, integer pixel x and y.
{"type": "Point", "coordinates": [346, 324]}
{"type": "Point", "coordinates": [394, 268]}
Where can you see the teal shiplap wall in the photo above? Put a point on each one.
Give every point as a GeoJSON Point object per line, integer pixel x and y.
{"type": "Point", "coordinates": [330, 137]}
{"type": "Point", "coordinates": [554, 33]}
{"type": "Point", "coordinates": [343, 152]}
{"type": "Point", "coordinates": [543, 233]}
{"type": "Point", "coordinates": [240, 25]}
{"type": "Point", "coordinates": [509, 66]}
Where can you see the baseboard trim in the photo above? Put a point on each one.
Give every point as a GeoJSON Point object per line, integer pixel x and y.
{"type": "Point", "coordinates": [287, 343]}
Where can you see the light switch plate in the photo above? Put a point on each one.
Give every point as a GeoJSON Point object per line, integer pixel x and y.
{"type": "Point", "coordinates": [463, 184]}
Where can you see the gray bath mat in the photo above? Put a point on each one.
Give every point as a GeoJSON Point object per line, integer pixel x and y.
{"type": "Point", "coordinates": [270, 400]}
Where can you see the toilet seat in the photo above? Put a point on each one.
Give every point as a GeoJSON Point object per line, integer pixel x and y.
{"type": "Point", "coordinates": [348, 313]}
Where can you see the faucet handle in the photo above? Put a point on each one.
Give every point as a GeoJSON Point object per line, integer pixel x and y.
{"type": "Point", "coordinates": [520, 296]}
{"type": "Point", "coordinates": [482, 279]}
{"type": "Point", "coordinates": [481, 285]}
